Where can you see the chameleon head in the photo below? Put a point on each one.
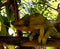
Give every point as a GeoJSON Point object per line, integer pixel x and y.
{"type": "Point", "coordinates": [18, 22]}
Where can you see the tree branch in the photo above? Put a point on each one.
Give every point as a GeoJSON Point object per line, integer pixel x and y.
{"type": "Point", "coordinates": [50, 42]}
{"type": "Point", "coordinates": [25, 41]}
{"type": "Point", "coordinates": [51, 7]}
{"type": "Point", "coordinates": [45, 4]}
{"type": "Point", "coordinates": [14, 8]}
{"type": "Point", "coordinates": [3, 4]}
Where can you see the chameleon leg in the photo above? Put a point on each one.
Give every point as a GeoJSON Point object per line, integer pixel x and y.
{"type": "Point", "coordinates": [41, 33]}
{"type": "Point", "coordinates": [32, 35]}
{"type": "Point", "coordinates": [56, 34]}
{"type": "Point", "coordinates": [38, 47]}
{"type": "Point", "coordinates": [47, 34]}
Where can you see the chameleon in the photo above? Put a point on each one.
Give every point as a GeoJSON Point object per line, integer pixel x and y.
{"type": "Point", "coordinates": [36, 23]}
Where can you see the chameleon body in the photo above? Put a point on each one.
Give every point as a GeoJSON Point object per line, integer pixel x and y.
{"type": "Point", "coordinates": [36, 22]}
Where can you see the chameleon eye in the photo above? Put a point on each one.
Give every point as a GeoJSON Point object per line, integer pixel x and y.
{"type": "Point", "coordinates": [21, 22]}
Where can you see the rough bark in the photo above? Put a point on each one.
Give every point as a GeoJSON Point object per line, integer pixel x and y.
{"type": "Point", "coordinates": [23, 41]}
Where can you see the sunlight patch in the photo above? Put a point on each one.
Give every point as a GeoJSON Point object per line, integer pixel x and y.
{"type": "Point", "coordinates": [11, 32]}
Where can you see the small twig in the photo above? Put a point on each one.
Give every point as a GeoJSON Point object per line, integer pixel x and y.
{"type": "Point", "coordinates": [51, 7]}
{"type": "Point", "coordinates": [3, 4]}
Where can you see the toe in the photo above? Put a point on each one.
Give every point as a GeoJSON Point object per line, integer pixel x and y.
{"type": "Point", "coordinates": [44, 40]}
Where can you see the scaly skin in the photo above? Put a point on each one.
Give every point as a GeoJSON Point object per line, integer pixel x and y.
{"type": "Point", "coordinates": [37, 22]}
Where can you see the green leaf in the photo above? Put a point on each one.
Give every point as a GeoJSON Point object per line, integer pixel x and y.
{"type": "Point", "coordinates": [9, 13]}
{"type": "Point", "coordinates": [3, 31]}
{"type": "Point", "coordinates": [0, 1]}
{"type": "Point", "coordinates": [1, 18]}
{"type": "Point", "coordinates": [49, 47]}
{"type": "Point", "coordinates": [19, 1]}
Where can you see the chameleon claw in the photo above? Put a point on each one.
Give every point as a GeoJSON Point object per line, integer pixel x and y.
{"type": "Point", "coordinates": [30, 38]}
{"type": "Point", "coordinates": [39, 40]}
{"type": "Point", "coordinates": [44, 40]}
